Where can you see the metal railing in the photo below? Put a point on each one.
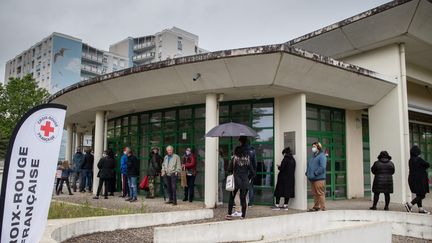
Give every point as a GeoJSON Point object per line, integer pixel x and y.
{"type": "Point", "coordinates": [144, 45]}
{"type": "Point", "coordinates": [144, 56]}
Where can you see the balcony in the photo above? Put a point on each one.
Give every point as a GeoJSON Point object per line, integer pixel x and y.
{"type": "Point", "coordinates": [90, 69]}
{"type": "Point", "coordinates": [144, 46]}
{"type": "Point", "coordinates": [143, 57]}
{"type": "Point", "coordinates": [92, 58]}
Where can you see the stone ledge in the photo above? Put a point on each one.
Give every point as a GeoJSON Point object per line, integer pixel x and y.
{"type": "Point", "coordinates": [59, 230]}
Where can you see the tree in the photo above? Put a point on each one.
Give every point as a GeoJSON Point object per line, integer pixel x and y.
{"type": "Point", "coordinates": [16, 98]}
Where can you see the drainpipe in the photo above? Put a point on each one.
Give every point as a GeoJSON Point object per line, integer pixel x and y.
{"type": "Point", "coordinates": [405, 152]}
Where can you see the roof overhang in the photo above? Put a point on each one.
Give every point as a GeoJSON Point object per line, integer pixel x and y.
{"type": "Point", "coordinates": [248, 73]}
{"type": "Point", "coordinates": [401, 21]}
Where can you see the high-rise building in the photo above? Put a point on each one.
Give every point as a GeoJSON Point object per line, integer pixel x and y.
{"type": "Point", "coordinates": [60, 60]}
{"type": "Point", "coordinates": [167, 44]}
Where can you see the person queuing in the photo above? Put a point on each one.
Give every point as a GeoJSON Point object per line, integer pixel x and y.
{"type": "Point", "coordinates": [58, 176]}
{"type": "Point", "coordinates": [417, 180]}
{"type": "Point", "coordinates": [154, 170]}
{"type": "Point", "coordinates": [171, 168]}
{"type": "Point", "coordinates": [123, 172]}
{"type": "Point", "coordinates": [76, 162]}
{"type": "Point", "coordinates": [286, 181]}
{"type": "Point", "coordinates": [86, 168]}
{"type": "Point", "coordinates": [106, 173]}
{"type": "Point", "coordinates": [244, 173]}
{"type": "Point", "coordinates": [189, 164]}
{"type": "Point", "coordinates": [132, 175]}
{"type": "Point", "coordinates": [316, 174]}
{"type": "Point", "coordinates": [245, 146]}
{"type": "Point", "coordinates": [65, 173]}
{"type": "Point", "coordinates": [383, 169]}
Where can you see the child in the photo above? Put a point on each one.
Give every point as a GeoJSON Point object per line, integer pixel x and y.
{"type": "Point", "coordinates": [66, 171]}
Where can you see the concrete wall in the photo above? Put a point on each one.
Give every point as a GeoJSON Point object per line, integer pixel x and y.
{"type": "Point", "coordinates": [405, 224]}
{"type": "Point", "coordinates": [354, 154]}
{"type": "Point", "coordinates": [419, 97]}
{"type": "Point", "coordinates": [419, 75]}
{"type": "Point", "coordinates": [290, 115]}
{"type": "Point", "coordinates": [388, 119]}
{"type": "Point", "coordinates": [353, 234]}
{"type": "Point", "coordinates": [62, 229]}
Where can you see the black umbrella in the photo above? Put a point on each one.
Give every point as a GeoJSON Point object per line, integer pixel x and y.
{"type": "Point", "coordinates": [231, 129]}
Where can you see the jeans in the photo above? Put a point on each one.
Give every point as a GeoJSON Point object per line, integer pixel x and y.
{"type": "Point", "coordinates": [190, 189]}
{"type": "Point", "coordinates": [171, 182]}
{"type": "Point", "coordinates": [132, 181]}
{"type": "Point", "coordinates": [75, 179]}
{"type": "Point", "coordinates": [86, 179]}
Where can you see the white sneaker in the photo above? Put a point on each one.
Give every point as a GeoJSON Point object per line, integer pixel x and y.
{"type": "Point", "coordinates": [285, 207]}
{"type": "Point", "coordinates": [236, 214]}
{"type": "Point", "coordinates": [275, 208]}
{"type": "Point", "coordinates": [423, 211]}
{"type": "Point", "coordinates": [408, 207]}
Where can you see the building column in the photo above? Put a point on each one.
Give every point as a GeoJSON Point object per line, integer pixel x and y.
{"type": "Point", "coordinates": [77, 140]}
{"type": "Point", "coordinates": [211, 153]}
{"type": "Point", "coordinates": [69, 142]}
{"type": "Point", "coordinates": [354, 154]}
{"type": "Point", "coordinates": [98, 146]}
{"type": "Point", "coordinates": [290, 119]}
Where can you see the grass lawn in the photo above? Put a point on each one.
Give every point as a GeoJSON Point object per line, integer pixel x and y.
{"type": "Point", "coordinates": [60, 210]}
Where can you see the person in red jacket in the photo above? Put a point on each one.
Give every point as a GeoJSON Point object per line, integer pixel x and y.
{"type": "Point", "coordinates": [189, 164]}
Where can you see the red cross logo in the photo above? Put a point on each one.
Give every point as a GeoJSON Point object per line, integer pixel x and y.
{"type": "Point", "coordinates": [47, 128]}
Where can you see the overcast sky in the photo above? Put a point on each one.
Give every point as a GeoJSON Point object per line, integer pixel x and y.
{"type": "Point", "coordinates": [220, 24]}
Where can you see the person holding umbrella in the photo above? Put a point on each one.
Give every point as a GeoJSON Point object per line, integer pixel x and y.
{"type": "Point", "coordinates": [244, 173]}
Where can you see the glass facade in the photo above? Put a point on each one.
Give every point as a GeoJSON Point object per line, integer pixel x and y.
{"type": "Point", "coordinates": [327, 125]}
{"type": "Point", "coordinates": [185, 126]}
{"type": "Point", "coordinates": [366, 157]}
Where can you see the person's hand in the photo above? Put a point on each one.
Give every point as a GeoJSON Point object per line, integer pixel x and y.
{"type": "Point", "coordinates": [162, 174]}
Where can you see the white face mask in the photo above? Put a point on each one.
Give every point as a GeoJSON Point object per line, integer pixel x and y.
{"type": "Point", "coordinates": [124, 152]}
{"type": "Point", "coordinates": [314, 150]}
{"type": "Point", "coordinates": [188, 152]}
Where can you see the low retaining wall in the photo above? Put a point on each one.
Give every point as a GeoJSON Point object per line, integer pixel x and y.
{"type": "Point", "coordinates": [62, 229]}
{"type": "Point", "coordinates": [360, 233]}
{"type": "Point", "coordinates": [266, 228]}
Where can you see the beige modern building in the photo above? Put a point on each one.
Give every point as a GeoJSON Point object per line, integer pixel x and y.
{"type": "Point", "coordinates": [359, 86]}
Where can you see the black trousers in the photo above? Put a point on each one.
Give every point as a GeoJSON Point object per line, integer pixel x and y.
{"type": "Point", "coordinates": [243, 193]}
{"type": "Point", "coordinates": [190, 189]}
{"type": "Point", "coordinates": [418, 200]}
{"type": "Point", "coordinates": [171, 182]}
{"type": "Point", "coordinates": [386, 198]}
{"type": "Point", "coordinates": [105, 182]}
{"type": "Point", "coordinates": [60, 186]}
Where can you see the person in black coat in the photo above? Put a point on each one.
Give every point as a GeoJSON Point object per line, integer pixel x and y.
{"type": "Point", "coordinates": [285, 181]}
{"type": "Point", "coordinates": [132, 173]}
{"type": "Point", "coordinates": [106, 173]}
{"type": "Point", "coordinates": [243, 170]}
{"type": "Point", "coordinates": [86, 168]}
{"type": "Point", "coordinates": [383, 169]}
{"type": "Point", "coordinates": [417, 179]}
{"type": "Point", "coordinates": [154, 170]}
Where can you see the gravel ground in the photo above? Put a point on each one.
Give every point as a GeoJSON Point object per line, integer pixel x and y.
{"type": "Point", "coordinates": [157, 205]}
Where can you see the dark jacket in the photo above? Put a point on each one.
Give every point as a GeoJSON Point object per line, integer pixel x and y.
{"type": "Point", "coordinates": [87, 162]}
{"type": "Point", "coordinates": [189, 163]}
{"type": "Point", "coordinates": [285, 181]}
{"type": "Point", "coordinates": [383, 169]}
{"type": "Point", "coordinates": [154, 165]}
{"type": "Point", "coordinates": [132, 166]}
{"type": "Point", "coordinates": [418, 177]}
{"type": "Point", "coordinates": [243, 171]}
{"type": "Point", "coordinates": [106, 167]}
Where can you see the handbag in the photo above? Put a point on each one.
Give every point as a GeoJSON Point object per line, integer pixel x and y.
{"type": "Point", "coordinates": [144, 184]}
{"type": "Point", "coordinates": [230, 185]}
{"type": "Point", "coordinates": [183, 179]}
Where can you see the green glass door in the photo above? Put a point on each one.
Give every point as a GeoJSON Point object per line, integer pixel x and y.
{"type": "Point", "coordinates": [327, 125]}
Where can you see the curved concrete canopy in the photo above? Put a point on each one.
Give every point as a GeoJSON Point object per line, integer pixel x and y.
{"type": "Point", "coordinates": [257, 72]}
{"type": "Point", "coordinates": [400, 21]}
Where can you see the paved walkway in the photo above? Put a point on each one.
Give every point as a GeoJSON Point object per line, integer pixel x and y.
{"type": "Point", "coordinates": [158, 205]}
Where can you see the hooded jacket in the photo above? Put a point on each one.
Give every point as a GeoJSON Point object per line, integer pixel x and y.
{"type": "Point", "coordinates": [418, 177]}
{"type": "Point", "coordinates": [383, 169]}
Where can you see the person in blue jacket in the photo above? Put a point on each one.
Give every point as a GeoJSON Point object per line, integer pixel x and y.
{"type": "Point", "coordinates": [316, 174]}
{"type": "Point", "coordinates": [124, 176]}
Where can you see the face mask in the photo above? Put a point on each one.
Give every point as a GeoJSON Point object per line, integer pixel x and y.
{"type": "Point", "coordinates": [124, 152]}
{"type": "Point", "coordinates": [104, 155]}
{"type": "Point", "coordinates": [314, 150]}
{"type": "Point", "coordinates": [188, 152]}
